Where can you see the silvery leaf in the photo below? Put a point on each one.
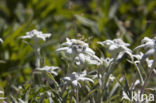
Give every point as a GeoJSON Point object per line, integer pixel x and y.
{"type": "Point", "coordinates": [85, 58]}
{"type": "Point", "coordinates": [89, 50]}
{"type": "Point", "coordinates": [138, 56]}
{"type": "Point", "coordinates": [50, 69]}
{"type": "Point", "coordinates": [86, 79]}
{"type": "Point", "coordinates": [68, 43]}
{"type": "Point", "coordinates": [69, 51]}
{"type": "Point", "coordinates": [62, 49]}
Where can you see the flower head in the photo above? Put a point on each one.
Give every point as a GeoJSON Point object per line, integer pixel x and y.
{"type": "Point", "coordinates": [74, 78]}
{"type": "Point", "coordinates": [34, 34]}
{"type": "Point", "coordinates": [146, 43]}
{"type": "Point", "coordinates": [116, 47]}
{"type": "Point", "coordinates": [150, 45]}
{"type": "Point", "coordinates": [73, 46]}
{"type": "Point", "coordinates": [50, 69]}
{"type": "Point", "coordinates": [80, 51]}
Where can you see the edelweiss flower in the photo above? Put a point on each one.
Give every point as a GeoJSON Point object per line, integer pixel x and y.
{"type": "Point", "coordinates": [116, 47]}
{"type": "Point", "coordinates": [74, 78]}
{"type": "Point", "coordinates": [1, 40]}
{"type": "Point", "coordinates": [80, 50]}
{"type": "Point", "coordinates": [73, 46]}
{"type": "Point", "coordinates": [150, 44]}
{"type": "Point", "coordinates": [34, 34]}
{"type": "Point", "coordinates": [50, 69]}
{"type": "Point", "coordinates": [146, 43]}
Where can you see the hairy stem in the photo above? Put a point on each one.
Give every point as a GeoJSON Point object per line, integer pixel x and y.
{"type": "Point", "coordinates": [37, 53]}
{"type": "Point", "coordinates": [77, 95]}
{"type": "Point", "coordinates": [141, 78]}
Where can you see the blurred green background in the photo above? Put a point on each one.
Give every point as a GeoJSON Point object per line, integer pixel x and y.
{"type": "Point", "coordinates": [88, 20]}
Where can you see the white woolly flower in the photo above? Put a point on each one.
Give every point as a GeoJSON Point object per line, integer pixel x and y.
{"type": "Point", "coordinates": [74, 78]}
{"type": "Point", "coordinates": [80, 51]}
{"type": "Point", "coordinates": [146, 43]}
{"type": "Point", "coordinates": [50, 69]}
{"type": "Point", "coordinates": [149, 44]}
{"type": "Point", "coordinates": [116, 47]}
{"type": "Point", "coordinates": [34, 34]}
{"type": "Point", "coordinates": [73, 46]}
{"type": "Point", "coordinates": [1, 41]}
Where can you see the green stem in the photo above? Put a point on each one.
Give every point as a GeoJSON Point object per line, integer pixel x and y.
{"type": "Point", "coordinates": [141, 78]}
